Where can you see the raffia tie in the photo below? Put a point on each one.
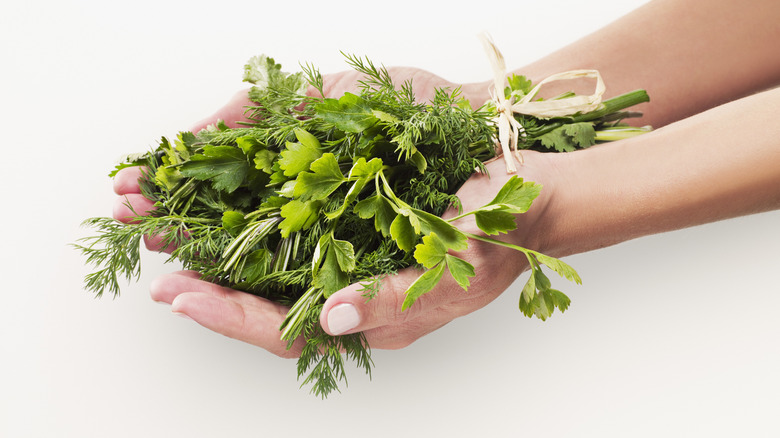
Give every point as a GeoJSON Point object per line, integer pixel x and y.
{"type": "Point", "coordinates": [509, 129]}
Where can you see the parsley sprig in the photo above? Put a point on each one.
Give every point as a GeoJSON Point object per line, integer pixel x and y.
{"type": "Point", "coordinates": [315, 194]}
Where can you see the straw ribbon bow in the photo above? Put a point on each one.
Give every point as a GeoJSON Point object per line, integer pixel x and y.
{"type": "Point", "coordinates": [509, 129]}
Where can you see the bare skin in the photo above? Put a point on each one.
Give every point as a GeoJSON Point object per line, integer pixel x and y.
{"type": "Point", "coordinates": [693, 170]}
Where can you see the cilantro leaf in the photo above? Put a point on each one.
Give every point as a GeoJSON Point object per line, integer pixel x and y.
{"type": "Point", "coordinates": [298, 215]}
{"type": "Point", "coordinates": [403, 233]}
{"type": "Point", "coordinates": [569, 137]}
{"type": "Point", "coordinates": [365, 169]}
{"type": "Point", "coordinates": [431, 251]}
{"type": "Point", "coordinates": [264, 160]}
{"type": "Point", "coordinates": [460, 270]}
{"type": "Point", "coordinates": [257, 265]}
{"type": "Point", "coordinates": [495, 221]}
{"type": "Point", "coordinates": [260, 70]}
{"type": "Point", "coordinates": [448, 233]}
{"type": "Point", "coordinates": [563, 269]}
{"type": "Point", "coordinates": [424, 283]}
{"type": "Point", "coordinates": [378, 207]}
{"type": "Point", "coordinates": [516, 196]}
{"type": "Point", "coordinates": [333, 260]}
{"type": "Point", "coordinates": [330, 277]}
{"type": "Point", "coordinates": [225, 166]}
{"type": "Point", "coordinates": [518, 86]}
{"type": "Point", "coordinates": [297, 157]}
{"type": "Point", "coordinates": [350, 113]}
{"type": "Point", "coordinates": [325, 177]}
{"type": "Point", "coordinates": [234, 222]}
{"type": "Point", "coordinates": [582, 134]}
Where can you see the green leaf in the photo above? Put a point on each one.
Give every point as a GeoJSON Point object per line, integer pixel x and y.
{"type": "Point", "coordinates": [168, 177]}
{"type": "Point", "coordinates": [563, 269]}
{"type": "Point", "coordinates": [325, 177]}
{"type": "Point", "coordinates": [558, 140]}
{"type": "Point", "coordinates": [257, 266]}
{"type": "Point", "coordinates": [460, 270]}
{"type": "Point", "coordinates": [519, 83]}
{"type": "Point", "coordinates": [330, 277]}
{"type": "Point", "coordinates": [516, 196]}
{"type": "Point", "coordinates": [582, 134]}
{"type": "Point", "coordinates": [332, 262]}
{"type": "Point", "coordinates": [380, 209]}
{"type": "Point", "coordinates": [431, 251]}
{"type": "Point", "coordinates": [558, 299]}
{"type": "Point", "coordinates": [542, 282]}
{"type": "Point", "coordinates": [298, 215]}
{"type": "Point", "coordinates": [249, 145]}
{"type": "Point", "coordinates": [569, 137]}
{"type": "Point", "coordinates": [297, 157]}
{"type": "Point", "coordinates": [345, 254]}
{"type": "Point", "coordinates": [385, 117]}
{"type": "Point", "coordinates": [424, 284]}
{"type": "Point", "coordinates": [350, 113]}
{"type": "Point", "coordinates": [260, 70]}
{"type": "Point", "coordinates": [419, 161]}
{"type": "Point", "coordinates": [351, 195]}
{"type": "Point", "coordinates": [402, 232]}
{"type": "Point", "coordinates": [542, 303]}
{"type": "Point", "coordinates": [306, 138]}
{"type": "Point", "coordinates": [234, 222]}
{"type": "Point", "coordinates": [264, 160]}
{"type": "Point", "coordinates": [365, 169]}
{"type": "Point", "coordinates": [495, 221]}
{"type": "Point", "coordinates": [225, 166]}
{"type": "Point", "coordinates": [452, 237]}
{"type": "Point", "coordinates": [528, 293]}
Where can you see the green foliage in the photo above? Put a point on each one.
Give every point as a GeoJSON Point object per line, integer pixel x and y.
{"type": "Point", "coordinates": [318, 193]}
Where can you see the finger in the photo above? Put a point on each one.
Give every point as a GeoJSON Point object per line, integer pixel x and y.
{"type": "Point", "coordinates": [348, 310]}
{"type": "Point", "coordinates": [166, 288]}
{"type": "Point", "coordinates": [231, 113]}
{"type": "Point", "coordinates": [128, 206]}
{"type": "Point", "coordinates": [126, 180]}
{"type": "Point", "coordinates": [386, 326]}
{"type": "Point", "coordinates": [254, 324]}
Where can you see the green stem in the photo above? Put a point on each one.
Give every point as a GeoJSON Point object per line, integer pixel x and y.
{"type": "Point", "coordinates": [498, 242]}
{"type": "Point", "coordinates": [620, 133]}
{"type": "Point", "coordinates": [615, 104]}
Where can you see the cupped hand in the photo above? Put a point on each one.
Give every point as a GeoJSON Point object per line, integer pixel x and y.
{"type": "Point", "coordinates": [256, 320]}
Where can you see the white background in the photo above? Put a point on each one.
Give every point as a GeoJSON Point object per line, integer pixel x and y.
{"type": "Point", "coordinates": [670, 335]}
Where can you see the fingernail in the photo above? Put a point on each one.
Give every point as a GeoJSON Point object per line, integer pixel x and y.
{"type": "Point", "coordinates": [183, 315]}
{"type": "Point", "coordinates": [342, 317]}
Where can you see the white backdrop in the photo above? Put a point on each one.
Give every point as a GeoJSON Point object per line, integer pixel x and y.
{"type": "Point", "coordinates": [671, 335]}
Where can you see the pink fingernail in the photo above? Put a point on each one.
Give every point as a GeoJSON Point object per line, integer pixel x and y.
{"type": "Point", "coordinates": [342, 317]}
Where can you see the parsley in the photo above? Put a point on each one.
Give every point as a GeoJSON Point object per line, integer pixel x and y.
{"type": "Point", "coordinates": [317, 193]}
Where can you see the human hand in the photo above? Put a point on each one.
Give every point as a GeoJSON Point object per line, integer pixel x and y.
{"type": "Point", "coordinates": [256, 320]}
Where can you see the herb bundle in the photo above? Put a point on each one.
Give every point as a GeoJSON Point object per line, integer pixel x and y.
{"type": "Point", "coordinates": [315, 194]}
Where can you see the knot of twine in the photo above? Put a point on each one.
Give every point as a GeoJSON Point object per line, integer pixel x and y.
{"type": "Point", "coordinates": [509, 129]}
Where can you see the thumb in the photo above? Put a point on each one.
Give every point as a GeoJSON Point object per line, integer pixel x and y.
{"type": "Point", "coordinates": [351, 310]}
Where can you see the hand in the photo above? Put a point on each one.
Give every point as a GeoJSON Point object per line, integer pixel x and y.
{"type": "Point", "coordinates": [256, 320]}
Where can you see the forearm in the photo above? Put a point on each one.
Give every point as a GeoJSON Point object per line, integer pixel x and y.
{"type": "Point", "coordinates": [688, 55]}
{"type": "Point", "coordinates": [719, 164]}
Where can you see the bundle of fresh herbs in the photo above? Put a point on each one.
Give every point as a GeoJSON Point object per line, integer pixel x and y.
{"type": "Point", "coordinates": [318, 193]}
